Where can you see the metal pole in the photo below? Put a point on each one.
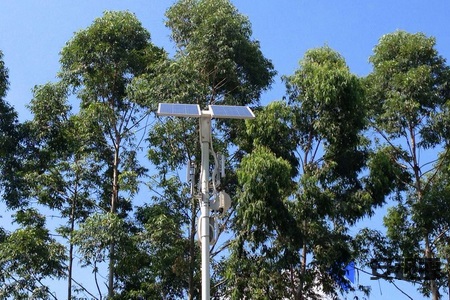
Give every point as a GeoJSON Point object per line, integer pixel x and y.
{"type": "Point", "coordinates": [205, 133]}
{"type": "Point", "coordinates": [216, 111]}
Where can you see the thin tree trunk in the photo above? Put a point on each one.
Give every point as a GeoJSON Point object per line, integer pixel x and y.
{"type": "Point", "coordinates": [433, 286]}
{"type": "Point", "coordinates": [114, 199]}
{"type": "Point", "coordinates": [299, 294]}
{"type": "Point", "coordinates": [72, 228]}
{"type": "Point", "coordinates": [428, 251]}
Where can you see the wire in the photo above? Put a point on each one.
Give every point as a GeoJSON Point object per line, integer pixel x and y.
{"type": "Point", "coordinates": [216, 165]}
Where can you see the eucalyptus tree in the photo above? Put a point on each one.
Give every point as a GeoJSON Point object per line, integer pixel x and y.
{"type": "Point", "coordinates": [265, 230]}
{"type": "Point", "coordinates": [216, 62]}
{"type": "Point", "coordinates": [432, 214]}
{"type": "Point", "coordinates": [158, 265]}
{"type": "Point", "coordinates": [99, 64]}
{"type": "Point", "coordinates": [303, 186]}
{"type": "Point", "coordinates": [330, 116]}
{"type": "Point", "coordinates": [29, 254]}
{"type": "Point", "coordinates": [10, 137]}
{"type": "Point", "coordinates": [408, 92]}
{"type": "Point", "coordinates": [64, 166]}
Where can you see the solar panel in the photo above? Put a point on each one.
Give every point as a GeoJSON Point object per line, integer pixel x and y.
{"type": "Point", "coordinates": [179, 110]}
{"type": "Point", "coordinates": [231, 112]}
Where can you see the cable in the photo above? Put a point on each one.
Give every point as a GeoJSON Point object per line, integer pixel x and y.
{"type": "Point", "coordinates": [216, 165]}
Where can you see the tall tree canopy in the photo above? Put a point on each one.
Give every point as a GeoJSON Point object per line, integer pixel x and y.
{"type": "Point", "coordinates": [66, 170]}
{"type": "Point", "coordinates": [214, 43]}
{"type": "Point", "coordinates": [292, 237]}
{"type": "Point", "coordinates": [29, 254]}
{"type": "Point", "coordinates": [99, 63]}
{"type": "Point", "coordinates": [10, 135]}
{"type": "Point", "coordinates": [408, 92]}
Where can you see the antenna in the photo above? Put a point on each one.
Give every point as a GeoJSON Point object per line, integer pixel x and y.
{"type": "Point", "coordinates": [221, 158]}
{"type": "Point", "coordinates": [190, 175]}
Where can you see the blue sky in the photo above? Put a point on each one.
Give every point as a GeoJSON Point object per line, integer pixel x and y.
{"type": "Point", "coordinates": [33, 32]}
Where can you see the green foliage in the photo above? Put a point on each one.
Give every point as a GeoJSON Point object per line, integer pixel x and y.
{"type": "Point", "coordinates": [256, 274]}
{"type": "Point", "coordinates": [27, 257]}
{"type": "Point", "coordinates": [29, 254]}
{"type": "Point", "coordinates": [100, 57]}
{"type": "Point", "coordinates": [402, 231]}
{"type": "Point", "coordinates": [266, 183]}
{"type": "Point", "coordinates": [329, 99]}
{"type": "Point", "coordinates": [79, 162]}
{"type": "Point", "coordinates": [373, 244]}
{"type": "Point", "coordinates": [156, 261]}
{"type": "Point", "coordinates": [11, 134]}
{"type": "Point", "coordinates": [50, 110]}
{"type": "Point", "coordinates": [172, 143]}
{"type": "Point", "coordinates": [4, 83]}
{"type": "Point", "coordinates": [273, 129]}
{"type": "Point", "coordinates": [293, 237]}
{"type": "Point", "coordinates": [408, 92]}
{"type": "Point", "coordinates": [214, 41]}
{"type": "Point", "coordinates": [62, 168]}
{"type": "Point", "coordinates": [409, 84]}
{"type": "Point", "coordinates": [302, 176]}
{"type": "Point", "coordinates": [387, 174]}
{"type": "Point", "coordinates": [330, 116]}
{"type": "Point", "coordinates": [266, 229]}
{"type": "Point", "coordinates": [216, 62]}
{"type": "Point", "coordinates": [100, 63]}
{"type": "Point", "coordinates": [429, 213]}
{"type": "Point", "coordinates": [96, 233]}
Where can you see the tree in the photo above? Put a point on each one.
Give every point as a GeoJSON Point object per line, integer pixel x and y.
{"type": "Point", "coordinates": [10, 144]}
{"type": "Point", "coordinates": [214, 44]}
{"type": "Point", "coordinates": [331, 197]}
{"type": "Point", "coordinates": [216, 62]}
{"type": "Point", "coordinates": [163, 245]}
{"type": "Point", "coordinates": [64, 169]}
{"type": "Point", "coordinates": [299, 238]}
{"type": "Point", "coordinates": [99, 64]}
{"type": "Point", "coordinates": [262, 246]}
{"type": "Point", "coordinates": [29, 254]}
{"type": "Point", "coordinates": [408, 92]}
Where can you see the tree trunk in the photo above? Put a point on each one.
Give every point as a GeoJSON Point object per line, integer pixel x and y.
{"type": "Point", "coordinates": [114, 200]}
{"type": "Point", "coordinates": [428, 252]}
{"type": "Point", "coordinates": [433, 286]}
{"type": "Point", "coordinates": [299, 293]}
{"type": "Point", "coordinates": [72, 228]}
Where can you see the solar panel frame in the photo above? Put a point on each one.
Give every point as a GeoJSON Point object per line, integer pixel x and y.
{"type": "Point", "coordinates": [231, 112]}
{"type": "Point", "coordinates": [179, 110]}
